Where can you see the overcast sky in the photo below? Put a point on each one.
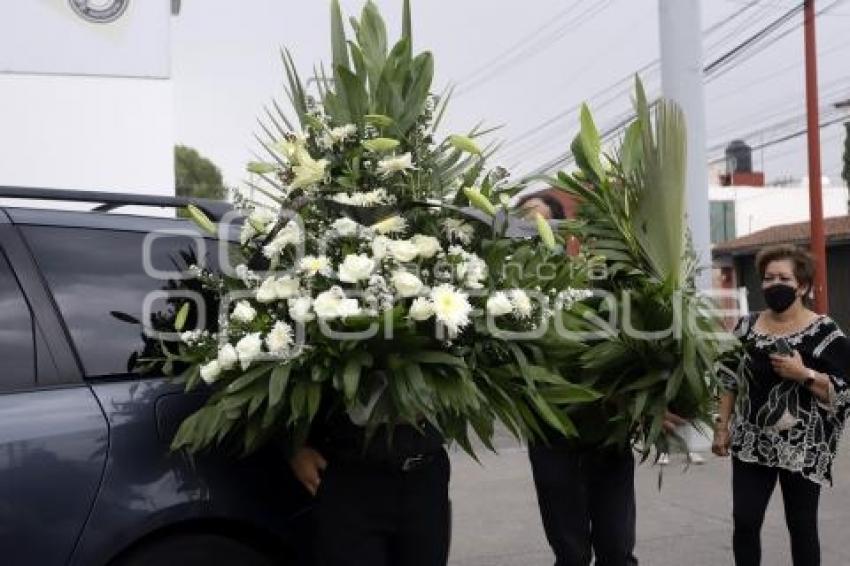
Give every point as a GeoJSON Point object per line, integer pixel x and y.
{"type": "Point", "coordinates": [521, 64]}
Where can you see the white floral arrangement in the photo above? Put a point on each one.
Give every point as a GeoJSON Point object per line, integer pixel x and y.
{"type": "Point", "coordinates": [378, 276]}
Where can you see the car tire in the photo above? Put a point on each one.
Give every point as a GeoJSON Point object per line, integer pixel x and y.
{"type": "Point", "coordinates": [194, 550]}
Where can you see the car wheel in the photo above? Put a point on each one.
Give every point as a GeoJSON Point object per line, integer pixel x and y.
{"type": "Point", "coordinates": [194, 550]}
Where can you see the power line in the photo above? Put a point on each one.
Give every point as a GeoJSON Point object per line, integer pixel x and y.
{"type": "Point", "coordinates": [723, 63]}
{"type": "Point", "coordinates": [538, 46]}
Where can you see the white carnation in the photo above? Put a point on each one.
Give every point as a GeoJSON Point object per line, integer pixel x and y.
{"type": "Point", "coordinates": [426, 246]}
{"type": "Point", "coordinates": [262, 219]}
{"type": "Point", "coordinates": [345, 227]}
{"type": "Point", "coordinates": [451, 307]}
{"type": "Point", "coordinates": [380, 247]}
{"type": "Point", "coordinates": [356, 268]}
{"type": "Point", "coordinates": [499, 304]}
{"type": "Point", "coordinates": [301, 309]}
{"type": "Point", "coordinates": [210, 371]}
{"type": "Point", "coordinates": [249, 349]}
{"type": "Point", "coordinates": [326, 305]}
{"type": "Point", "coordinates": [267, 292]}
{"type": "Point", "coordinates": [407, 284]}
{"type": "Point", "coordinates": [243, 312]}
{"type": "Point", "coordinates": [348, 307]}
{"type": "Point", "coordinates": [289, 235]}
{"type": "Point", "coordinates": [421, 309]}
{"type": "Point", "coordinates": [313, 265]}
{"type": "Point", "coordinates": [473, 271]}
{"type": "Point", "coordinates": [279, 339]}
{"type": "Point", "coordinates": [286, 287]}
{"type": "Point", "coordinates": [403, 250]}
{"type": "Point", "coordinates": [227, 357]}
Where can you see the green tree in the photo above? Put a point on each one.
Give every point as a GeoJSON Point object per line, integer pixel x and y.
{"type": "Point", "coordinates": [197, 176]}
{"type": "Point", "coordinates": [846, 172]}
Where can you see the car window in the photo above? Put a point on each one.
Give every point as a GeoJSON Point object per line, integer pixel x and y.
{"type": "Point", "coordinates": [17, 346]}
{"type": "Point", "coordinates": [99, 282]}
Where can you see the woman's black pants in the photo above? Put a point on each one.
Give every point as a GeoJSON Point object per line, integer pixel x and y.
{"type": "Point", "coordinates": [752, 486]}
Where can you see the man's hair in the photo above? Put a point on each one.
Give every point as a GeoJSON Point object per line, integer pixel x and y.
{"type": "Point", "coordinates": [554, 204]}
{"type": "Point", "coordinates": [804, 264]}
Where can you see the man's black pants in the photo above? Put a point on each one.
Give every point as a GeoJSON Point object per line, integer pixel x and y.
{"type": "Point", "coordinates": [587, 501]}
{"type": "Point", "coordinates": [368, 515]}
{"type": "Point", "coordinates": [752, 486]}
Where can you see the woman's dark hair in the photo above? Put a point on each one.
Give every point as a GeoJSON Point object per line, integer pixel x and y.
{"type": "Point", "coordinates": [554, 204]}
{"type": "Point", "coordinates": [804, 263]}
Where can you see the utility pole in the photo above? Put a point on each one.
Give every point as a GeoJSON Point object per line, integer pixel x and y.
{"type": "Point", "coordinates": [680, 31]}
{"type": "Point", "coordinates": [818, 237]}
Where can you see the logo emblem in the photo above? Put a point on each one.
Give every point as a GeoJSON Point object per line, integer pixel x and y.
{"type": "Point", "coordinates": [99, 11]}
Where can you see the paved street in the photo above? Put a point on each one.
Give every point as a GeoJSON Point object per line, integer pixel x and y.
{"type": "Point", "coordinates": [687, 523]}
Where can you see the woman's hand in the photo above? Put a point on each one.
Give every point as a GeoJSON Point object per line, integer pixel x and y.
{"type": "Point", "coordinates": [789, 367]}
{"type": "Point", "coordinates": [307, 465]}
{"type": "Point", "coordinates": [720, 444]}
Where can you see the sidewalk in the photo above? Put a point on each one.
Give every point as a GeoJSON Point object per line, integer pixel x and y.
{"type": "Point", "coordinates": [496, 522]}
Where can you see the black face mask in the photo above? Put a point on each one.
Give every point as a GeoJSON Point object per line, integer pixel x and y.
{"type": "Point", "coordinates": [780, 297]}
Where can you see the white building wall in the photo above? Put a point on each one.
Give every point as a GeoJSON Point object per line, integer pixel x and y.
{"type": "Point", "coordinates": [86, 105]}
{"type": "Point", "coordinates": [757, 208]}
{"type": "Point", "coordinates": [89, 133]}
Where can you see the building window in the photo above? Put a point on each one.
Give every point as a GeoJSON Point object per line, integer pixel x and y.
{"type": "Point", "coordinates": [722, 221]}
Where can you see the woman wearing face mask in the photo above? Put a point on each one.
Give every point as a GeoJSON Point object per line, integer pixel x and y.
{"type": "Point", "coordinates": [784, 408]}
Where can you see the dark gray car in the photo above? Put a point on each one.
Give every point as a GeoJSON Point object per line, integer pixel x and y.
{"type": "Point", "coordinates": [86, 474]}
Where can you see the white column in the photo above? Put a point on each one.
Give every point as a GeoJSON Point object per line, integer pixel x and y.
{"type": "Point", "coordinates": [680, 31]}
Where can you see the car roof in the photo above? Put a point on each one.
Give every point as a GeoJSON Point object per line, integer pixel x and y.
{"type": "Point", "coordinates": [104, 221]}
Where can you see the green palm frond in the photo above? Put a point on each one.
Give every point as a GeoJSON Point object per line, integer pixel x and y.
{"type": "Point", "coordinates": [660, 214]}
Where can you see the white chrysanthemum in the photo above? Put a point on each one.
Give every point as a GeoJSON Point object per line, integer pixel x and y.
{"type": "Point", "coordinates": [313, 265]}
{"type": "Point", "coordinates": [249, 349]}
{"type": "Point", "coordinates": [397, 164]}
{"type": "Point", "coordinates": [498, 304]}
{"type": "Point", "coordinates": [427, 246]}
{"type": "Point", "coordinates": [380, 247]}
{"type": "Point", "coordinates": [521, 303]}
{"type": "Point", "coordinates": [356, 268]}
{"type": "Point", "coordinates": [369, 198]}
{"type": "Point", "coordinates": [391, 225]}
{"type": "Point", "coordinates": [407, 284]}
{"type": "Point", "coordinates": [227, 357]}
{"type": "Point", "coordinates": [403, 250]}
{"type": "Point", "coordinates": [279, 339]}
{"type": "Point", "coordinates": [210, 371]}
{"type": "Point", "coordinates": [286, 287]}
{"type": "Point", "coordinates": [451, 307]}
{"type": "Point", "coordinates": [421, 309]}
{"type": "Point", "coordinates": [267, 292]}
{"type": "Point", "coordinates": [458, 230]}
{"type": "Point", "coordinates": [345, 227]}
{"type": "Point", "coordinates": [243, 312]}
{"type": "Point", "coordinates": [301, 309]}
